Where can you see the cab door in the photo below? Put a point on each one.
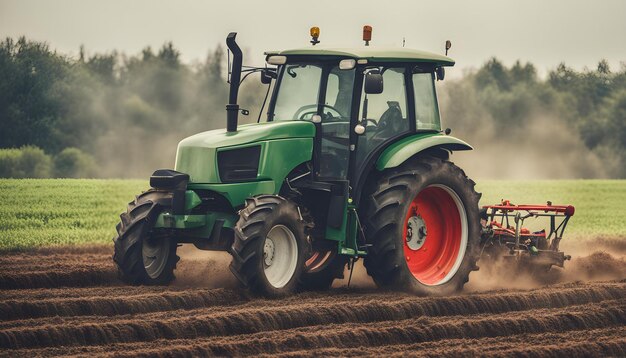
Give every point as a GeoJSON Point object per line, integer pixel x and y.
{"type": "Point", "coordinates": [335, 110]}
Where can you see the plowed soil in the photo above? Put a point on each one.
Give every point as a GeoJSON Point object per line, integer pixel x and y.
{"type": "Point", "coordinates": [69, 302]}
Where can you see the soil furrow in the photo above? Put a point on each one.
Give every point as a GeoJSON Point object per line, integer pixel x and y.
{"type": "Point", "coordinates": [119, 304]}
{"type": "Point", "coordinates": [581, 343]}
{"type": "Point", "coordinates": [74, 277]}
{"type": "Point", "coordinates": [359, 309]}
{"type": "Point", "coordinates": [83, 292]}
{"type": "Point", "coordinates": [130, 330]}
{"type": "Point", "coordinates": [368, 335]}
{"type": "Point", "coordinates": [28, 268]}
{"type": "Point", "coordinates": [459, 347]}
{"type": "Point", "coordinates": [343, 293]}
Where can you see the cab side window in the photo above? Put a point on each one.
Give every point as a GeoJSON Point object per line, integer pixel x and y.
{"type": "Point", "coordinates": [392, 99]}
{"type": "Point", "coordinates": [385, 114]}
{"type": "Point", "coordinates": [426, 108]}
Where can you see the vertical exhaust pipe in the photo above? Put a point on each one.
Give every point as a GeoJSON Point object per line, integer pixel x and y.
{"type": "Point", "coordinates": [232, 108]}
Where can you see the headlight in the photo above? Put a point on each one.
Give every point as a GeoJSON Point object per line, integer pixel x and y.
{"type": "Point", "coordinates": [238, 164]}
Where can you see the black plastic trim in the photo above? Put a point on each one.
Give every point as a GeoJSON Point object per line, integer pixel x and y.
{"type": "Point", "coordinates": [176, 182]}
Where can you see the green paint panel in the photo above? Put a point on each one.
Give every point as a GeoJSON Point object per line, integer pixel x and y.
{"type": "Point", "coordinates": [169, 220]}
{"type": "Point", "coordinates": [191, 200]}
{"type": "Point", "coordinates": [278, 158]}
{"type": "Point", "coordinates": [346, 235]}
{"type": "Point", "coordinates": [403, 149]}
{"type": "Point", "coordinates": [249, 133]}
{"type": "Point", "coordinates": [372, 53]}
{"type": "Point", "coordinates": [200, 163]}
{"type": "Point", "coordinates": [284, 144]}
{"type": "Point", "coordinates": [351, 234]}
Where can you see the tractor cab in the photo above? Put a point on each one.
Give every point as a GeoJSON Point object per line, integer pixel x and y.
{"type": "Point", "coordinates": [360, 100]}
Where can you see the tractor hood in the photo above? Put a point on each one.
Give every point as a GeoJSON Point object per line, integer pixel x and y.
{"type": "Point", "coordinates": [197, 155]}
{"type": "Point", "coordinates": [250, 133]}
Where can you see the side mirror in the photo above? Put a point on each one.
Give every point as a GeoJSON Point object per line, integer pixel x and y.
{"type": "Point", "coordinates": [373, 83]}
{"type": "Point", "coordinates": [441, 73]}
{"type": "Point", "coordinates": [267, 75]}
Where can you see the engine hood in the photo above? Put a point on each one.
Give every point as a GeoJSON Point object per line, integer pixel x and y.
{"type": "Point", "coordinates": [283, 142]}
{"type": "Point", "coordinates": [250, 133]}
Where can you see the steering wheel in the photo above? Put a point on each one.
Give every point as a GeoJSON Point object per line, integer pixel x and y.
{"type": "Point", "coordinates": [302, 112]}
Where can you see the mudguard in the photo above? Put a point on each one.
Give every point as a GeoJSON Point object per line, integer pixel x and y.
{"type": "Point", "coordinates": [404, 149]}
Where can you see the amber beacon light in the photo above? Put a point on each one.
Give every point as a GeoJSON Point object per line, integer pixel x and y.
{"type": "Point", "coordinates": [315, 34]}
{"type": "Point", "coordinates": [367, 34]}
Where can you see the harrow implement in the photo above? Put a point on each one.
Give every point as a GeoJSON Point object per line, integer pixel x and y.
{"type": "Point", "coordinates": [504, 235]}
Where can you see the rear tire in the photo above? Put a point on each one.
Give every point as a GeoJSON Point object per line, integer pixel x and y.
{"type": "Point", "coordinates": [270, 246]}
{"type": "Point", "coordinates": [142, 257]}
{"type": "Point", "coordinates": [424, 227]}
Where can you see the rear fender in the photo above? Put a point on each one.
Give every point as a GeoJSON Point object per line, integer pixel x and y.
{"type": "Point", "coordinates": [401, 151]}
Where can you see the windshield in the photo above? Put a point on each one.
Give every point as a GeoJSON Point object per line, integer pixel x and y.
{"type": "Point", "coordinates": [298, 92]}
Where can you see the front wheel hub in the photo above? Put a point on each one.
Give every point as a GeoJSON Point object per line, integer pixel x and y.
{"type": "Point", "coordinates": [268, 252]}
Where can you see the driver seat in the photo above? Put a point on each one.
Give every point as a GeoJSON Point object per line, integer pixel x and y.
{"type": "Point", "coordinates": [391, 118]}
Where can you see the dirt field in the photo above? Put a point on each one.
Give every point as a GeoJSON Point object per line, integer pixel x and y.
{"type": "Point", "coordinates": [69, 302]}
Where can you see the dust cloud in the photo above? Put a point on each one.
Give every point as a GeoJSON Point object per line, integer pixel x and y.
{"type": "Point", "coordinates": [545, 148]}
{"type": "Point", "coordinates": [600, 259]}
{"type": "Point", "coordinates": [206, 269]}
{"type": "Point", "coordinates": [592, 260]}
{"type": "Point", "coordinates": [535, 144]}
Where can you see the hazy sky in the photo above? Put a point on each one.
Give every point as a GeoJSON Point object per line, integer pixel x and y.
{"type": "Point", "coordinates": [546, 32]}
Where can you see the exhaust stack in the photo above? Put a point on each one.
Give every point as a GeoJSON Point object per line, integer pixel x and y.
{"type": "Point", "coordinates": [232, 108]}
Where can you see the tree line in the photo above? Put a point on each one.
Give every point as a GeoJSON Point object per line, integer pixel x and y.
{"type": "Point", "coordinates": [117, 115]}
{"type": "Point", "coordinates": [571, 122]}
{"type": "Point", "coordinates": [122, 116]}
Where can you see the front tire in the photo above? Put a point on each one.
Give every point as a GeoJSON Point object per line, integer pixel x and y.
{"type": "Point", "coordinates": [142, 256]}
{"type": "Point", "coordinates": [424, 227]}
{"type": "Point", "coordinates": [270, 246]}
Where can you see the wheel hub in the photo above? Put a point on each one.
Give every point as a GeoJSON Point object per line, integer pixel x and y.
{"type": "Point", "coordinates": [416, 232]}
{"type": "Point", "coordinates": [268, 252]}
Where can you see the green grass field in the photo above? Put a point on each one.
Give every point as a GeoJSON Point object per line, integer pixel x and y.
{"type": "Point", "coordinates": [43, 212]}
{"type": "Point", "coordinates": [600, 208]}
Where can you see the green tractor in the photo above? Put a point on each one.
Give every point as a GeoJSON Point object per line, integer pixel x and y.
{"type": "Point", "coordinates": [350, 163]}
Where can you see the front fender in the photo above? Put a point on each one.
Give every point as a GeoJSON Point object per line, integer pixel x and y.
{"type": "Point", "coordinates": [399, 152]}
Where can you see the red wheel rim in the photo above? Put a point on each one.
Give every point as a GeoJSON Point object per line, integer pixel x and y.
{"type": "Point", "coordinates": [435, 235]}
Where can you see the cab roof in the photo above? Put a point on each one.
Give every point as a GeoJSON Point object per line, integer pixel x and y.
{"type": "Point", "coordinates": [383, 54]}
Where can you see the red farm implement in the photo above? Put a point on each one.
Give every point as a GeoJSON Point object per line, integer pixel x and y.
{"type": "Point", "coordinates": [504, 235]}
